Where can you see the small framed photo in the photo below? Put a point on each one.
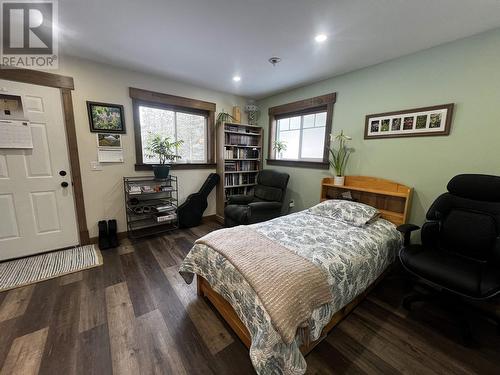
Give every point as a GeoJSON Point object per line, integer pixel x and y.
{"type": "Point", "coordinates": [105, 117]}
{"type": "Point", "coordinates": [109, 140]}
{"type": "Point", "coordinates": [426, 121]}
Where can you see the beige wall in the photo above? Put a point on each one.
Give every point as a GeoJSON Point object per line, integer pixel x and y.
{"type": "Point", "coordinates": [465, 72]}
{"type": "Point", "coordinates": [103, 190]}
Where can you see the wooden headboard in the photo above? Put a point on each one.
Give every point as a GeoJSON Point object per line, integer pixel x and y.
{"type": "Point", "coordinates": [393, 200]}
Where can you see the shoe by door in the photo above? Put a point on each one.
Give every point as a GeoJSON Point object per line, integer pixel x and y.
{"type": "Point", "coordinates": [37, 208]}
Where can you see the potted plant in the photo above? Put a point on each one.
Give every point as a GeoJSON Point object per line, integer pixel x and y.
{"type": "Point", "coordinates": [165, 150]}
{"type": "Point", "coordinates": [223, 117]}
{"type": "Point", "coordinates": [339, 156]}
{"type": "Point", "coordinates": [279, 147]}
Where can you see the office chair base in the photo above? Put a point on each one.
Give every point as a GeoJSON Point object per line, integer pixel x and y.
{"type": "Point", "coordinates": [461, 311]}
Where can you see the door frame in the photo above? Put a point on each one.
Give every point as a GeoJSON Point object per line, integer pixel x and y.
{"type": "Point", "coordinates": [65, 85]}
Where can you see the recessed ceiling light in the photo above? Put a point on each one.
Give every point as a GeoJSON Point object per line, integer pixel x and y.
{"type": "Point", "coordinates": [320, 38]}
{"type": "Point", "coordinates": [236, 78]}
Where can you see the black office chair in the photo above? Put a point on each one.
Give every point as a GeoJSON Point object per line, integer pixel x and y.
{"type": "Point", "coordinates": [460, 251]}
{"type": "Point", "coordinates": [266, 202]}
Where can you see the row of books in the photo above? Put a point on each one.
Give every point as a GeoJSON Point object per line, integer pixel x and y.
{"type": "Point", "coordinates": [234, 166]}
{"type": "Point", "coordinates": [244, 140]}
{"type": "Point", "coordinates": [239, 179]}
{"type": "Point", "coordinates": [240, 153]}
{"type": "Point", "coordinates": [240, 130]}
{"type": "Point", "coordinates": [245, 190]}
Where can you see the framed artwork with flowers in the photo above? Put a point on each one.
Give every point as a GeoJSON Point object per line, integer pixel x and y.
{"type": "Point", "coordinates": [105, 117]}
{"type": "Point", "coordinates": [426, 121]}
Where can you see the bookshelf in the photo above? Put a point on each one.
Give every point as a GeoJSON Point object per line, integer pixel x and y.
{"type": "Point", "coordinates": [239, 159]}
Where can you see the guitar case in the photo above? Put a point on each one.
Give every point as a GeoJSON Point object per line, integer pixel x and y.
{"type": "Point", "coordinates": [191, 211]}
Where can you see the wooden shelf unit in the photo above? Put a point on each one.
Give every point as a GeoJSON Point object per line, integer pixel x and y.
{"type": "Point", "coordinates": [393, 200]}
{"type": "Point", "coordinates": [238, 146]}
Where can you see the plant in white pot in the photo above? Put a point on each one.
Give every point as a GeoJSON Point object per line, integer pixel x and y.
{"type": "Point", "coordinates": [165, 150]}
{"type": "Point", "coordinates": [339, 153]}
{"type": "Point", "coordinates": [279, 147]}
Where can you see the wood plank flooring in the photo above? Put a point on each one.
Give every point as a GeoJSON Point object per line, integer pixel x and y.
{"type": "Point", "coordinates": [135, 315]}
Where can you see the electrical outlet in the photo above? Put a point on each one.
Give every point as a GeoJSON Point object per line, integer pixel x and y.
{"type": "Point", "coordinates": [291, 204]}
{"type": "Point", "coordinates": [95, 166]}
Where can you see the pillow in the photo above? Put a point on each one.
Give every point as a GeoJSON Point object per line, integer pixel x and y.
{"type": "Point", "coordinates": [354, 213]}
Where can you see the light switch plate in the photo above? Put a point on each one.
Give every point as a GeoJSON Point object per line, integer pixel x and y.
{"type": "Point", "coordinates": [95, 166]}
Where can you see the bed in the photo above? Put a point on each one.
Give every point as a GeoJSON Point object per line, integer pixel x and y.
{"type": "Point", "coordinates": [354, 257]}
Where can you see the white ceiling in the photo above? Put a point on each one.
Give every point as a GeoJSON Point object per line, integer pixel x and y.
{"type": "Point", "coordinates": [206, 42]}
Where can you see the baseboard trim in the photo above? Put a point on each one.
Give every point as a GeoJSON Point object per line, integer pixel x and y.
{"type": "Point", "coordinates": [123, 235]}
{"type": "Point", "coordinates": [209, 218]}
{"type": "Point", "coordinates": [120, 235]}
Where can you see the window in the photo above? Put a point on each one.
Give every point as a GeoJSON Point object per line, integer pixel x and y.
{"type": "Point", "coordinates": [304, 136]}
{"type": "Point", "coordinates": [176, 117]}
{"type": "Point", "coordinates": [304, 128]}
{"type": "Point", "coordinates": [189, 127]}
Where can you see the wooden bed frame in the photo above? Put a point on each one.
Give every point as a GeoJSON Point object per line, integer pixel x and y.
{"type": "Point", "coordinates": [393, 201]}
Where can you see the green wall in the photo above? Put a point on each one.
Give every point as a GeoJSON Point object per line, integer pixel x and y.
{"type": "Point", "coordinates": [464, 72]}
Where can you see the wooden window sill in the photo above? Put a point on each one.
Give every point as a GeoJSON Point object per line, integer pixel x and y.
{"type": "Point", "coordinates": [149, 167]}
{"type": "Point", "coordinates": [299, 163]}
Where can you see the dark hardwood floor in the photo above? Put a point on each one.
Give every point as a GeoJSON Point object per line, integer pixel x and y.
{"type": "Point", "coordinates": [135, 315]}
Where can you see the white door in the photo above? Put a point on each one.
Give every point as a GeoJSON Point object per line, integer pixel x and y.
{"type": "Point", "coordinates": [37, 213]}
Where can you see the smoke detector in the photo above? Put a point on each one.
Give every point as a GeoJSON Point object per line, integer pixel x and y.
{"type": "Point", "coordinates": [274, 60]}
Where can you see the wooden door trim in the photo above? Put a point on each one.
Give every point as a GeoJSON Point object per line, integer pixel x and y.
{"type": "Point", "coordinates": [36, 77]}
{"type": "Point", "coordinates": [65, 85]}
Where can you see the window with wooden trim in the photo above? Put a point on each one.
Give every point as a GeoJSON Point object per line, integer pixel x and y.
{"type": "Point", "coordinates": [179, 118]}
{"type": "Point", "coordinates": [303, 128]}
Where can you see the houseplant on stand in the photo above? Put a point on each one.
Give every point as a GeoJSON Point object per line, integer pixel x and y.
{"type": "Point", "coordinates": [165, 150]}
{"type": "Point", "coordinates": [339, 156]}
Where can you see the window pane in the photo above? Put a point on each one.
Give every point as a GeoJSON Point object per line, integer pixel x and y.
{"type": "Point", "coordinates": [295, 123]}
{"type": "Point", "coordinates": [155, 121]}
{"type": "Point", "coordinates": [191, 129]}
{"type": "Point", "coordinates": [291, 139]}
{"type": "Point", "coordinates": [313, 143]}
{"type": "Point", "coordinates": [308, 121]}
{"type": "Point", "coordinates": [283, 124]}
{"type": "Point", "coordinates": [320, 119]}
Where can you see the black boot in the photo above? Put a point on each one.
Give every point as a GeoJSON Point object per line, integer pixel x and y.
{"type": "Point", "coordinates": [103, 235]}
{"type": "Point", "coordinates": [112, 229]}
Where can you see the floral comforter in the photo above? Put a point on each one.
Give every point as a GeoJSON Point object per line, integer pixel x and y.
{"type": "Point", "coordinates": [352, 256]}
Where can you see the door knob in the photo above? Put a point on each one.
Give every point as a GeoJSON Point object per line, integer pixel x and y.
{"type": "Point", "coordinates": [64, 184]}
{"type": "Point", "coordinates": [62, 173]}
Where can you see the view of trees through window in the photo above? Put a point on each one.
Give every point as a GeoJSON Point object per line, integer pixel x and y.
{"type": "Point", "coordinates": [191, 128]}
{"type": "Point", "coordinates": [303, 135]}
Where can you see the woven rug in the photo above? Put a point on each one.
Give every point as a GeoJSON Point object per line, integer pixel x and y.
{"type": "Point", "coordinates": [33, 269]}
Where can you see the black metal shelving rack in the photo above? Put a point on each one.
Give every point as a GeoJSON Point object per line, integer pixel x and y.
{"type": "Point", "coordinates": [142, 205]}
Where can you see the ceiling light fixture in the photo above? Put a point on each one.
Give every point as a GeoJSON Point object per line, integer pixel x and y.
{"type": "Point", "coordinates": [236, 78]}
{"type": "Point", "coordinates": [320, 38]}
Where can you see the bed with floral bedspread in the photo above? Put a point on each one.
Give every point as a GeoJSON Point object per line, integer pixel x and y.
{"type": "Point", "coordinates": [352, 255]}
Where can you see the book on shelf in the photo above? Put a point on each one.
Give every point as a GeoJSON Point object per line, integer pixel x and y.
{"type": "Point", "coordinates": [240, 153]}
{"type": "Point", "coordinates": [243, 140]}
{"type": "Point", "coordinates": [235, 166]}
{"type": "Point", "coordinates": [241, 129]}
{"type": "Point", "coordinates": [239, 179]}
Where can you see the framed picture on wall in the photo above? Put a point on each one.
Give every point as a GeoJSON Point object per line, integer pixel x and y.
{"type": "Point", "coordinates": [416, 122]}
{"type": "Point", "coordinates": [105, 117]}
{"type": "Point", "coordinates": [109, 140]}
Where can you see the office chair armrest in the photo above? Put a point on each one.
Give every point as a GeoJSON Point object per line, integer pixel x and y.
{"type": "Point", "coordinates": [406, 229]}
{"type": "Point", "coordinates": [240, 199]}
